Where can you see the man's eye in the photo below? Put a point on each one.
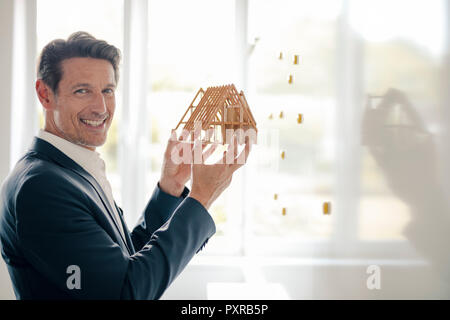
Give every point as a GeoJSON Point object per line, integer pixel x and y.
{"type": "Point", "coordinates": [81, 91]}
{"type": "Point", "coordinates": [108, 91]}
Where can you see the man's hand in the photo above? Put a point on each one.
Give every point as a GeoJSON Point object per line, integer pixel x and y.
{"type": "Point", "coordinates": [209, 181]}
{"type": "Point", "coordinates": [176, 168]}
{"type": "Point", "coordinates": [175, 174]}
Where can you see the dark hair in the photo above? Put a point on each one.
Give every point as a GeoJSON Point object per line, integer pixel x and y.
{"type": "Point", "coordinates": [79, 44]}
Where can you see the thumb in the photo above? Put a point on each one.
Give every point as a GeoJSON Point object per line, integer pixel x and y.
{"type": "Point", "coordinates": [197, 152]}
{"type": "Point", "coordinates": [171, 143]}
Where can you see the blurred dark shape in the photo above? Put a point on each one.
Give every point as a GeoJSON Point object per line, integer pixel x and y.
{"type": "Point", "coordinates": [405, 151]}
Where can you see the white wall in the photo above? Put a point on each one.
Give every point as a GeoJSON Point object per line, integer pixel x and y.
{"type": "Point", "coordinates": [6, 29]}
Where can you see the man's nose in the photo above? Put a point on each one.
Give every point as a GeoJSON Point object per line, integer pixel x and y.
{"type": "Point", "coordinates": [99, 104]}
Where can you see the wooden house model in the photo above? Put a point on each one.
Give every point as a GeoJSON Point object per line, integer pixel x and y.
{"type": "Point", "coordinates": [217, 110]}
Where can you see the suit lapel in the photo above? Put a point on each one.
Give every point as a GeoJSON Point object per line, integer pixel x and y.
{"type": "Point", "coordinates": [105, 202]}
{"type": "Point", "coordinates": [54, 153]}
{"type": "Point", "coordinates": [127, 234]}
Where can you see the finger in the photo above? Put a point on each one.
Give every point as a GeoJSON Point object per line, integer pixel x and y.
{"type": "Point", "coordinates": [209, 151]}
{"type": "Point", "coordinates": [181, 147]}
{"type": "Point", "coordinates": [222, 160]}
{"type": "Point", "coordinates": [172, 142]}
{"type": "Point", "coordinates": [228, 156]}
{"type": "Point", "coordinates": [243, 156]}
{"type": "Point", "coordinates": [173, 136]}
{"type": "Point", "coordinates": [235, 147]}
{"type": "Point", "coordinates": [184, 135]}
{"type": "Point", "coordinates": [197, 152]}
{"type": "Point", "coordinates": [183, 143]}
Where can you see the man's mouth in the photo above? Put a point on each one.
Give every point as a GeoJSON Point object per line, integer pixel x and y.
{"type": "Point", "coordinates": [94, 123]}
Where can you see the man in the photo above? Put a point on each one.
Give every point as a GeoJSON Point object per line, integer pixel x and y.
{"type": "Point", "coordinates": [62, 235]}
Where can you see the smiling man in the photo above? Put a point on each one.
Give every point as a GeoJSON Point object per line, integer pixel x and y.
{"type": "Point", "coordinates": [62, 235]}
{"type": "Point", "coordinates": [85, 99]}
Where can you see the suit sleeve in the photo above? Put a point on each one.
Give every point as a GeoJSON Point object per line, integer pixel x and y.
{"type": "Point", "coordinates": [56, 230]}
{"type": "Point", "coordinates": [159, 209]}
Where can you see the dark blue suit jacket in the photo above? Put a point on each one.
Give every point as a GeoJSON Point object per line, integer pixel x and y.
{"type": "Point", "coordinates": [53, 214]}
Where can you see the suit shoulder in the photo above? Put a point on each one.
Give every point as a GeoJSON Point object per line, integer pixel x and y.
{"type": "Point", "coordinates": [34, 175]}
{"type": "Point", "coordinates": [32, 169]}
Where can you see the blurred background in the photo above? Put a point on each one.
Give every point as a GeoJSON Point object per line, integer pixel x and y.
{"type": "Point", "coordinates": [371, 84]}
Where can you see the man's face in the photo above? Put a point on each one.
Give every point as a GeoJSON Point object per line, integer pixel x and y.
{"type": "Point", "coordinates": [84, 105]}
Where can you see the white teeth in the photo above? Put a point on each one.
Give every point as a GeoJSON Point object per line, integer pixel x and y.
{"type": "Point", "coordinates": [93, 123]}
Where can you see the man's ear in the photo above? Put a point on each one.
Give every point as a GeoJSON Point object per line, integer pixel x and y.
{"type": "Point", "coordinates": [45, 94]}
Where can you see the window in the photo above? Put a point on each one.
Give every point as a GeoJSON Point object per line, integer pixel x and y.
{"type": "Point", "coordinates": [287, 195]}
{"type": "Point", "coordinates": [344, 53]}
{"type": "Point", "coordinates": [406, 55]}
